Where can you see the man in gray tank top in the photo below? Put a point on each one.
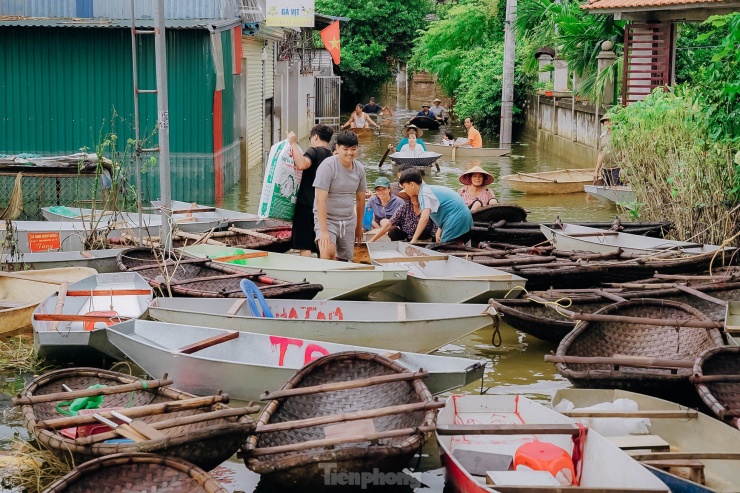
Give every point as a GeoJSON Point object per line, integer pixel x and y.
{"type": "Point", "coordinates": [340, 200]}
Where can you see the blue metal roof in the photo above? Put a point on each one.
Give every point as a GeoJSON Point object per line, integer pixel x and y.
{"type": "Point", "coordinates": [210, 24]}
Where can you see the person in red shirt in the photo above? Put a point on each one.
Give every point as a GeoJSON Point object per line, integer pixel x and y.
{"type": "Point", "coordinates": [474, 139]}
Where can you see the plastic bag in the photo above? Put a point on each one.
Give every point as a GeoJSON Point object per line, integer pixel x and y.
{"type": "Point", "coordinates": [280, 186]}
{"type": "Point", "coordinates": [367, 219]}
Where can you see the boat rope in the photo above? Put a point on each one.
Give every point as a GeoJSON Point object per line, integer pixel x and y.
{"type": "Point", "coordinates": [579, 449]}
{"type": "Point", "coordinates": [556, 304]}
{"type": "Point", "coordinates": [496, 336]}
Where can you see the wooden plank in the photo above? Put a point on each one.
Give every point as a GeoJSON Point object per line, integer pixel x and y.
{"type": "Point", "coordinates": [350, 384]}
{"type": "Point", "coordinates": [621, 361]}
{"type": "Point", "coordinates": [243, 256]}
{"type": "Point", "coordinates": [509, 429]}
{"type": "Point", "coordinates": [420, 258]}
{"type": "Point", "coordinates": [76, 394]}
{"type": "Point", "coordinates": [141, 427]}
{"type": "Point", "coordinates": [59, 307]}
{"type": "Point", "coordinates": [236, 306]}
{"type": "Point", "coordinates": [669, 413]}
{"type": "Point", "coordinates": [685, 455]}
{"type": "Point", "coordinates": [295, 447]}
{"type": "Point", "coordinates": [110, 292]}
{"type": "Point", "coordinates": [206, 343]}
{"type": "Point", "coordinates": [64, 317]}
{"type": "Point", "coordinates": [633, 442]}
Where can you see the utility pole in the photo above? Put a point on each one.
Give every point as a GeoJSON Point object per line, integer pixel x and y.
{"type": "Point", "coordinates": [507, 90]}
{"type": "Point", "coordinates": [160, 56]}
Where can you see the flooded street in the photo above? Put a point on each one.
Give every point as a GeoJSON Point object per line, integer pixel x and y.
{"type": "Point", "coordinates": [516, 366]}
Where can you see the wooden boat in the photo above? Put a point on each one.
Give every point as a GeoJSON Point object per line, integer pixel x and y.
{"type": "Point", "coordinates": [468, 152]}
{"type": "Point", "coordinates": [119, 473]}
{"type": "Point", "coordinates": [21, 292]}
{"type": "Point", "coordinates": [244, 364]}
{"type": "Point", "coordinates": [621, 195]}
{"type": "Point", "coordinates": [101, 260]}
{"type": "Point", "coordinates": [685, 431]}
{"type": "Point", "coordinates": [439, 278]}
{"type": "Point", "coordinates": [732, 322]}
{"type": "Point", "coordinates": [243, 220]}
{"type": "Point", "coordinates": [581, 238]}
{"type": "Point", "coordinates": [541, 321]}
{"type": "Point", "coordinates": [204, 278]}
{"type": "Point", "coordinates": [416, 327]}
{"type": "Point", "coordinates": [277, 239]}
{"type": "Point", "coordinates": [525, 233]}
{"type": "Point", "coordinates": [341, 280]}
{"type": "Point", "coordinates": [200, 430]}
{"type": "Point", "coordinates": [363, 132]}
{"type": "Point", "coordinates": [479, 435]}
{"type": "Point", "coordinates": [500, 212]}
{"type": "Point", "coordinates": [717, 380]}
{"type": "Point", "coordinates": [296, 458]}
{"type": "Point", "coordinates": [424, 122]}
{"type": "Point", "coordinates": [69, 322]}
{"type": "Point", "coordinates": [550, 182]}
{"type": "Point", "coordinates": [643, 345]}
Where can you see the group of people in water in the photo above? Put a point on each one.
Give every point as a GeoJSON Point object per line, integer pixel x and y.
{"type": "Point", "coordinates": [331, 198]}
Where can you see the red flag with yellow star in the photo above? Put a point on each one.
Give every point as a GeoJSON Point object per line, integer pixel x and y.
{"type": "Point", "coordinates": [330, 37]}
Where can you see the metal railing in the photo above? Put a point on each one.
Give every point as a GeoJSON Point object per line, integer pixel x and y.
{"type": "Point", "coordinates": [326, 102]}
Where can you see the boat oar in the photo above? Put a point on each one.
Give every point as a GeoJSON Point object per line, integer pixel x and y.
{"type": "Point", "coordinates": [124, 430]}
{"type": "Point", "coordinates": [387, 151]}
{"type": "Point", "coordinates": [140, 427]}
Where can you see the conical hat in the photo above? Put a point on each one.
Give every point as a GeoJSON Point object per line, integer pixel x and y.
{"type": "Point", "coordinates": [466, 177]}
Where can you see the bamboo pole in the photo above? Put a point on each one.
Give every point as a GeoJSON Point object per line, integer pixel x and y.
{"type": "Point", "coordinates": [699, 294]}
{"type": "Point", "coordinates": [350, 384]}
{"type": "Point", "coordinates": [714, 378]}
{"type": "Point", "coordinates": [509, 429]}
{"type": "Point", "coordinates": [249, 232]}
{"type": "Point", "coordinates": [199, 238]}
{"type": "Point", "coordinates": [15, 275]}
{"type": "Point", "coordinates": [172, 423]}
{"type": "Point", "coordinates": [76, 394]}
{"type": "Point", "coordinates": [685, 455]}
{"type": "Point", "coordinates": [343, 417]}
{"type": "Point", "coordinates": [330, 442]}
{"type": "Point", "coordinates": [61, 296]}
{"type": "Point", "coordinates": [136, 412]}
{"type": "Point", "coordinates": [650, 414]}
{"type": "Point", "coordinates": [620, 361]}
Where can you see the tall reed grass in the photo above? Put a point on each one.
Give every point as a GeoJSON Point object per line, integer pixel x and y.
{"type": "Point", "coordinates": [677, 171]}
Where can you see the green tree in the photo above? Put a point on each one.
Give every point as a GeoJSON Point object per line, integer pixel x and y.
{"type": "Point", "coordinates": [379, 33]}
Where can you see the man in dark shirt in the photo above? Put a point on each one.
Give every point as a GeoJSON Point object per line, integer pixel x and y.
{"type": "Point", "coordinates": [372, 108]}
{"type": "Point", "coordinates": [303, 220]}
{"type": "Point", "coordinates": [425, 111]}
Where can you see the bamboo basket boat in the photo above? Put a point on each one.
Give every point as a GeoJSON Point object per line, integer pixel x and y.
{"type": "Point", "coordinates": [642, 345]}
{"type": "Point", "coordinates": [121, 473]}
{"type": "Point", "coordinates": [717, 380]}
{"type": "Point", "coordinates": [544, 322]}
{"type": "Point", "coordinates": [551, 182]}
{"type": "Point", "coordinates": [296, 458]}
{"type": "Point", "coordinates": [509, 213]}
{"type": "Point", "coordinates": [275, 239]}
{"type": "Point", "coordinates": [204, 278]}
{"type": "Point", "coordinates": [200, 430]}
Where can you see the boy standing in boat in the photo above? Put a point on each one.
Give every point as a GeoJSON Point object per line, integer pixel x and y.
{"type": "Point", "coordinates": [340, 200]}
{"type": "Point", "coordinates": [474, 139]}
{"type": "Point", "coordinates": [440, 204]}
{"type": "Point", "coordinates": [304, 235]}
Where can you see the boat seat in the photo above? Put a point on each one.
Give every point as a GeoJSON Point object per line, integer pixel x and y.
{"type": "Point", "coordinates": [695, 467]}
{"type": "Point", "coordinates": [636, 442]}
{"type": "Point", "coordinates": [480, 463]}
{"type": "Point", "coordinates": [544, 456]}
{"type": "Point", "coordinates": [90, 325]}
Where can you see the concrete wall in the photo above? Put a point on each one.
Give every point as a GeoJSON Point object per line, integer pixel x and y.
{"type": "Point", "coordinates": [421, 89]}
{"type": "Point", "coordinates": [566, 129]}
{"type": "Point", "coordinates": [296, 105]}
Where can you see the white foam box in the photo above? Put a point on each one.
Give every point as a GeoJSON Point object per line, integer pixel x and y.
{"type": "Point", "coordinates": [521, 478]}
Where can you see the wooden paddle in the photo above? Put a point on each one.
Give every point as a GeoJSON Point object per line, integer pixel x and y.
{"type": "Point", "coordinates": [140, 427]}
{"type": "Point", "coordinates": [124, 430]}
{"type": "Point", "coordinates": [454, 149]}
{"type": "Point", "coordinates": [387, 151]}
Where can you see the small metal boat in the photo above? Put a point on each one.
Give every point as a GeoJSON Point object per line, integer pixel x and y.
{"type": "Point", "coordinates": [550, 182]}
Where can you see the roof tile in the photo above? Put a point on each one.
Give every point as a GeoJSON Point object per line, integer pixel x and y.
{"type": "Point", "coordinates": [626, 4]}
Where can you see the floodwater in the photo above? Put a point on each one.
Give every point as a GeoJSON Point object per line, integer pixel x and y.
{"type": "Point", "coordinates": [515, 366]}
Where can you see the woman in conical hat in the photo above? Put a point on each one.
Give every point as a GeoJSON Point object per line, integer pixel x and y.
{"type": "Point", "coordinates": [475, 192]}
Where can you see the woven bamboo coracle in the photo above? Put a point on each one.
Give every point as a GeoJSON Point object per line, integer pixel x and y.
{"type": "Point", "coordinates": [302, 469]}
{"type": "Point", "coordinates": [617, 338]}
{"type": "Point", "coordinates": [203, 278]}
{"type": "Point", "coordinates": [123, 473]}
{"type": "Point", "coordinates": [722, 397]}
{"type": "Point", "coordinates": [205, 443]}
{"type": "Point", "coordinates": [276, 239]}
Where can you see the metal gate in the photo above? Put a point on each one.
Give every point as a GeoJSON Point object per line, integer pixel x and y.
{"type": "Point", "coordinates": [647, 59]}
{"type": "Point", "coordinates": [326, 102]}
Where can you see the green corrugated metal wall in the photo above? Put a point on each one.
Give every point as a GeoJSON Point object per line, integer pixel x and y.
{"type": "Point", "coordinates": [62, 86]}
